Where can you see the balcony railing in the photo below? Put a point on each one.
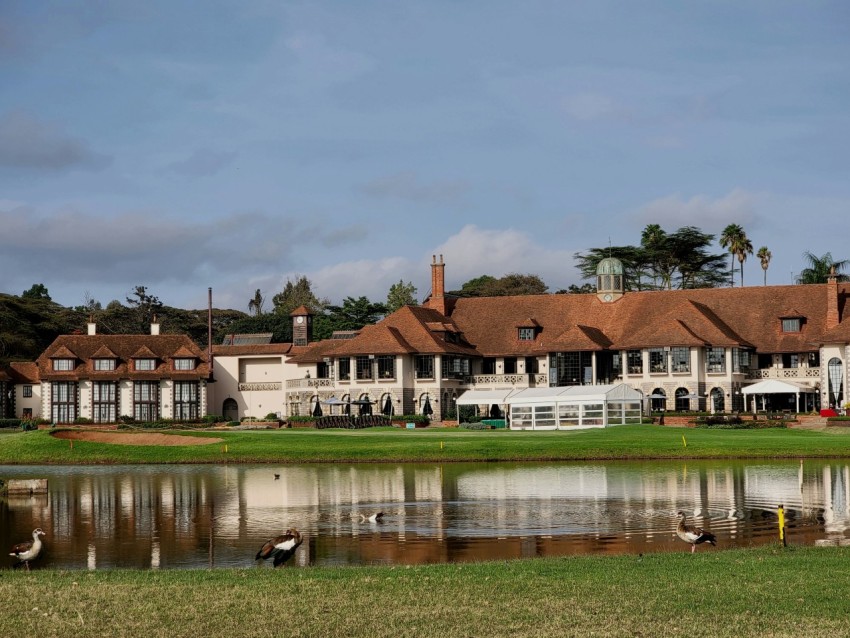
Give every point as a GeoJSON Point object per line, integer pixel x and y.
{"type": "Point", "coordinates": [264, 386]}
{"type": "Point", "coordinates": [784, 373]}
{"type": "Point", "coordinates": [294, 384]}
{"type": "Point", "coordinates": [516, 380]}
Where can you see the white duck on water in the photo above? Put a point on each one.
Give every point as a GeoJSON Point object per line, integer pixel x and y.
{"type": "Point", "coordinates": [28, 550]}
{"type": "Point", "coordinates": [693, 535]}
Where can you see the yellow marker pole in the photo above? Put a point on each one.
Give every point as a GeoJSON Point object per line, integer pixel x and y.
{"type": "Point", "coordinates": [72, 444]}
{"type": "Point", "coordinates": [684, 442]}
{"type": "Point", "coordinates": [441, 445]}
{"type": "Point", "coordinates": [781, 512]}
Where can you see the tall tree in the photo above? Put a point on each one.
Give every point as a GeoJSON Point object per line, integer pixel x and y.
{"type": "Point", "coordinates": [144, 306]}
{"type": "Point", "coordinates": [734, 239]}
{"type": "Point", "coordinates": [510, 284]}
{"type": "Point", "coordinates": [298, 293]}
{"type": "Point", "coordinates": [353, 314]}
{"type": "Point", "coordinates": [36, 291]}
{"type": "Point", "coordinates": [819, 269]}
{"type": "Point", "coordinates": [661, 259]}
{"type": "Point", "coordinates": [401, 294]}
{"type": "Point", "coordinates": [764, 256]}
{"type": "Point", "coordinates": [255, 305]}
{"type": "Point", "coordinates": [745, 247]}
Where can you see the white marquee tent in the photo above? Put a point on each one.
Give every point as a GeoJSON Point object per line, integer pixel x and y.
{"type": "Point", "coordinates": [571, 407]}
{"type": "Point", "coordinates": [775, 386]}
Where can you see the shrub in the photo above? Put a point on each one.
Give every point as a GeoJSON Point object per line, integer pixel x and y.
{"type": "Point", "coordinates": [476, 426]}
{"type": "Point", "coordinates": [11, 423]}
{"type": "Point", "coordinates": [301, 419]}
{"type": "Point", "coordinates": [212, 418]}
{"type": "Point", "coordinates": [410, 418]}
{"type": "Point", "coordinates": [271, 416]}
{"type": "Point", "coordinates": [82, 420]}
{"type": "Point", "coordinates": [233, 423]}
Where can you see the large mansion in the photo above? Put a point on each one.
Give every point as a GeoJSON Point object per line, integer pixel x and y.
{"type": "Point", "coordinates": [682, 349]}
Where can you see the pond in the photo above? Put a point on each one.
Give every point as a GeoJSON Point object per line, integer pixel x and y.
{"type": "Point", "coordinates": [197, 516]}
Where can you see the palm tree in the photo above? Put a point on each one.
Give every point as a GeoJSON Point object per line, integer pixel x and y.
{"type": "Point", "coordinates": [736, 241]}
{"type": "Point", "coordinates": [729, 239]}
{"type": "Point", "coordinates": [764, 255]}
{"type": "Point", "coordinates": [820, 268]}
{"type": "Point", "coordinates": [255, 305]}
{"type": "Point", "coordinates": [745, 247]}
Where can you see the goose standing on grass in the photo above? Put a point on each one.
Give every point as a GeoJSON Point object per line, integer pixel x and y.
{"type": "Point", "coordinates": [693, 535]}
{"type": "Point", "coordinates": [29, 550]}
{"type": "Point", "coordinates": [280, 548]}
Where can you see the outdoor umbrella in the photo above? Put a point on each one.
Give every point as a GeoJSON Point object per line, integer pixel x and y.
{"type": "Point", "coordinates": [495, 412]}
{"type": "Point", "coordinates": [427, 410]}
{"type": "Point", "coordinates": [347, 408]}
{"type": "Point", "coordinates": [656, 396]}
{"type": "Point", "coordinates": [317, 409]}
{"type": "Point", "coordinates": [388, 406]}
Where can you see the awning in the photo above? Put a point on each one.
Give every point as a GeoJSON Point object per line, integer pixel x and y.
{"type": "Point", "coordinates": [774, 386]}
{"type": "Point", "coordinates": [485, 397]}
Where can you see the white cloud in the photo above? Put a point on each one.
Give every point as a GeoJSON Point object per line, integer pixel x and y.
{"type": "Point", "coordinates": [673, 212]}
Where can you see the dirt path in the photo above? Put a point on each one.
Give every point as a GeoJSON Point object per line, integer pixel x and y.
{"type": "Point", "coordinates": [134, 438]}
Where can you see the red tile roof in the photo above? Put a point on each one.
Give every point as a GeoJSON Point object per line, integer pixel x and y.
{"type": "Point", "coordinates": [728, 317]}
{"type": "Point", "coordinates": [125, 348]}
{"type": "Point", "coordinates": [24, 372]}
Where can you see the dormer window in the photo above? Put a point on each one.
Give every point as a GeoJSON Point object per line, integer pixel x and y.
{"type": "Point", "coordinates": [791, 324]}
{"type": "Point", "coordinates": [526, 334]}
{"type": "Point", "coordinates": [144, 365]}
{"type": "Point", "coordinates": [63, 365]}
{"type": "Point", "coordinates": [184, 363]}
{"type": "Point", "coordinates": [104, 365]}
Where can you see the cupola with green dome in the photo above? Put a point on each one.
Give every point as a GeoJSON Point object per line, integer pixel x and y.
{"type": "Point", "coordinates": [610, 285]}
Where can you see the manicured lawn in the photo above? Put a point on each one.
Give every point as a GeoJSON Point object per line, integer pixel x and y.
{"type": "Point", "coordinates": [737, 593]}
{"type": "Point", "coordinates": [449, 444]}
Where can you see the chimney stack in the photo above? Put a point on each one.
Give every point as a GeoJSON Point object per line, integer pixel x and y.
{"type": "Point", "coordinates": [832, 318]}
{"type": "Point", "coordinates": [438, 285]}
{"type": "Point", "coordinates": [92, 326]}
{"type": "Point", "coordinates": [154, 327]}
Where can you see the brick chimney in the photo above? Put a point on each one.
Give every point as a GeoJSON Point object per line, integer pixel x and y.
{"type": "Point", "coordinates": [832, 317]}
{"type": "Point", "coordinates": [437, 300]}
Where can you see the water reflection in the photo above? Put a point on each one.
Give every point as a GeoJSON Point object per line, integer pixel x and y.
{"type": "Point", "coordinates": [200, 516]}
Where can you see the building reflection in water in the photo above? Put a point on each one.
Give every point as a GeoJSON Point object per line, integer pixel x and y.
{"type": "Point", "coordinates": [203, 516]}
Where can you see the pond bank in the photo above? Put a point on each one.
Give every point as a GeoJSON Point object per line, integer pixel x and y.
{"type": "Point", "coordinates": [737, 593]}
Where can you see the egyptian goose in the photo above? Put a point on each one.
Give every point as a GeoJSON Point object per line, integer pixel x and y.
{"type": "Point", "coordinates": [693, 535]}
{"type": "Point", "coordinates": [377, 517]}
{"type": "Point", "coordinates": [25, 552]}
{"type": "Point", "coordinates": [280, 548]}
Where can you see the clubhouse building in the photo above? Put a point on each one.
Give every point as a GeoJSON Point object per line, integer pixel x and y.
{"type": "Point", "coordinates": [715, 349]}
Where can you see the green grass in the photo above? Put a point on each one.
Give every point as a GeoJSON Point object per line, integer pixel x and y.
{"type": "Point", "coordinates": [436, 445]}
{"type": "Point", "coordinates": [768, 591]}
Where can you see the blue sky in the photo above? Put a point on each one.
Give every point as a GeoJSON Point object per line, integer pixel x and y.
{"type": "Point", "coordinates": [182, 145]}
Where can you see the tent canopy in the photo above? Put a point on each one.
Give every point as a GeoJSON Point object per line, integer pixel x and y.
{"type": "Point", "coordinates": [484, 397]}
{"type": "Point", "coordinates": [775, 386]}
{"type": "Point", "coordinates": [563, 394]}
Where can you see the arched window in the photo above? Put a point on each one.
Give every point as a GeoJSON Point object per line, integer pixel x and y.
{"type": "Point", "coordinates": [657, 400]}
{"type": "Point", "coordinates": [718, 400]}
{"type": "Point", "coordinates": [836, 382]}
{"type": "Point", "coordinates": [683, 401]}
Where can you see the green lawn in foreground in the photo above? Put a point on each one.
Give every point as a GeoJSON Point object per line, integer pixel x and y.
{"type": "Point", "coordinates": [449, 444]}
{"type": "Point", "coordinates": [762, 592]}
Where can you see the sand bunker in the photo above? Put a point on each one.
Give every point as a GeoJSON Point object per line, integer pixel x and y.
{"type": "Point", "coordinates": [134, 438]}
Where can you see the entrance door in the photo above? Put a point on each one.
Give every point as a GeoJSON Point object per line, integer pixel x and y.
{"type": "Point", "coordinates": [230, 410]}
